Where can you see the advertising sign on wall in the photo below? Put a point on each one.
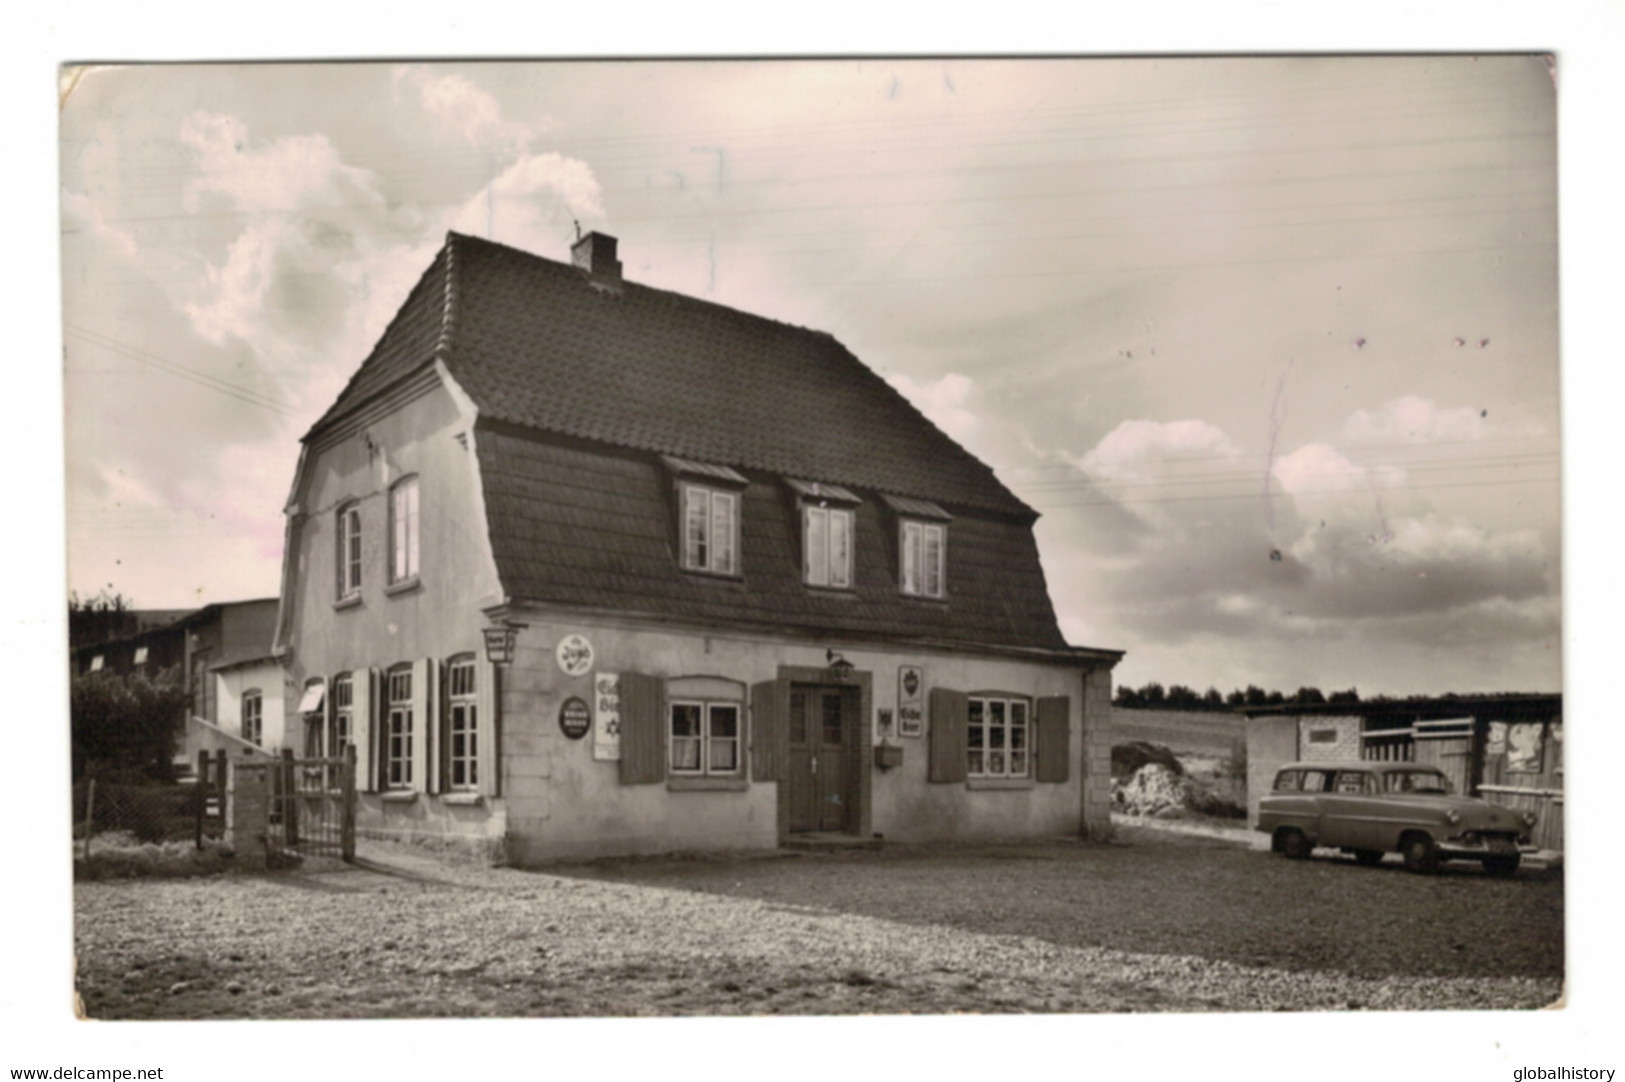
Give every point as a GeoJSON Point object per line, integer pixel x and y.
{"type": "Point", "coordinates": [910, 700]}
{"type": "Point", "coordinates": [606, 711]}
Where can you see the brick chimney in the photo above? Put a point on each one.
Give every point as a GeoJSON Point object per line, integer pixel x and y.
{"type": "Point", "coordinates": [595, 254]}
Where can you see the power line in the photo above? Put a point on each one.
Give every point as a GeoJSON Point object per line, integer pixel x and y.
{"type": "Point", "coordinates": [186, 372]}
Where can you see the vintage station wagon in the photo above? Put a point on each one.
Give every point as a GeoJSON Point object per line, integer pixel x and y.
{"type": "Point", "coordinates": [1372, 808]}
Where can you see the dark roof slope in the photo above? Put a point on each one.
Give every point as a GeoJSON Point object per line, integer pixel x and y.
{"type": "Point", "coordinates": [578, 525]}
{"type": "Point", "coordinates": [539, 344]}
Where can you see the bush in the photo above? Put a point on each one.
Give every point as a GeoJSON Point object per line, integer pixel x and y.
{"type": "Point", "coordinates": [1128, 758]}
{"type": "Point", "coordinates": [127, 723]}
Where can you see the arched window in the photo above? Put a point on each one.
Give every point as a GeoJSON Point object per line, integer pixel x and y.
{"type": "Point", "coordinates": [347, 559]}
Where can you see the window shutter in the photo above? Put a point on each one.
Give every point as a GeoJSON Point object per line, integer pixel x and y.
{"type": "Point", "coordinates": [485, 727]}
{"type": "Point", "coordinates": [643, 729]}
{"type": "Point", "coordinates": [815, 532]}
{"type": "Point", "coordinates": [363, 685]}
{"type": "Point", "coordinates": [950, 715]}
{"type": "Point", "coordinates": [440, 772]}
{"type": "Point", "coordinates": [840, 548]}
{"type": "Point", "coordinates": [423, 718]}
{"type": "Point", "coordinates": [1054, 744]}
{"type": "Point", "coordinates": [770, 730]}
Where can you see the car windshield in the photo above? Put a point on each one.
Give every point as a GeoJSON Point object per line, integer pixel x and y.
{"type": "Point", "coordinates": [1417, 781]}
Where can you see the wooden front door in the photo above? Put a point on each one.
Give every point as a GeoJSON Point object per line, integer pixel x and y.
{"type": "Point", "coordinates": [822, 732]}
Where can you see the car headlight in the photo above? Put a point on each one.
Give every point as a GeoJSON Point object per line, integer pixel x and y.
{"type": "Point", "coordinates": [1452, 816]}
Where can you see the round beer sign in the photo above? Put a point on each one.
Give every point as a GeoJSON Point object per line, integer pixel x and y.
{"type": "Point", "coordinates": [574, 718]}
{"type": "Point", "coordinates": [574, 654]}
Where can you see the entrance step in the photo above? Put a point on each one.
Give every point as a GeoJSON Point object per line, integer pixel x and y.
{"type": "Point", "coordinates": [828, 842]}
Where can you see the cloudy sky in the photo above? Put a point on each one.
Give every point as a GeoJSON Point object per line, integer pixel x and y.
{"type": "Point", "coordinates": [1271, 344]}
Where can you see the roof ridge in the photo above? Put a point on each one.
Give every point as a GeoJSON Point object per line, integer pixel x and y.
{"type": "Point", "coordinates": [448, 310]}
{"type": "Point", "coordinates": [643, 287]}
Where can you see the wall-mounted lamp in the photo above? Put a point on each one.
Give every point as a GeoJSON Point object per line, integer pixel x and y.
{"type": "Point", "coordinates": [838, 667]}
{"type": "Point", "coordinates": [500, 640]}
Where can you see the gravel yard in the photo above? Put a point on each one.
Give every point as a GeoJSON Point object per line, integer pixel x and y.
{"type": "Point", "coordinates": [1167, 923]}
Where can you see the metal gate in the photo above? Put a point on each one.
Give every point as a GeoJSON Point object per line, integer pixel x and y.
{"type": "Point", "coordinates": [311, 805]}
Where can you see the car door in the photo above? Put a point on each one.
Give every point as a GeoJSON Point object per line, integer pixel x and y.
{"type": "Point", "coordinates": [1349, 821]}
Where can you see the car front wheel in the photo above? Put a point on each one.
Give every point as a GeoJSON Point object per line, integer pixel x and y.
{"type": "Point", "coordinates": [1420, 855]}
{"type": "Point", "coordinates": [1502, 867]}
{"type": "Point", "coordinates": [1293, 845]}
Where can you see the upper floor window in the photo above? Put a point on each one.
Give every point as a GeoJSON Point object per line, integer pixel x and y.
{"type": "Point", "coordinates": [96, 663]}
{"type": "Point", "coordinates": [253, 716]}
{"type": "Point", "coordinates": [347, 557]}
{"type": "Point", "coordinates": [996, 738]}
{"type": "Point", "coordinates": [828, 532]}
{"type": "Point", "coordinates": [828, 529]}
{"type": "Point", "coordinates": [140, 655]}
{"type": "Point", "coordinates": [709, 499]}
{"type": "Point", "coordinates": [924, 546]}
{"type": "Point", "coordinates": [403, 530]}
{"type": "Point", "coordinates": [710, 529]}
{"type": "Point", "coordinates": [462, 731]}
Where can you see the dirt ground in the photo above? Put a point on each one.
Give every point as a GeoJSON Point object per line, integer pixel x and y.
{"type": "Point", "coordinates": [1157, 922]}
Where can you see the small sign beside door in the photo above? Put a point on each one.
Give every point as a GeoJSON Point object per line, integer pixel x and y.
{"type": "Point", "coordinates": [910, 701]}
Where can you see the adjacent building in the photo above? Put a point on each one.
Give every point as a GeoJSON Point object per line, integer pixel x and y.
{"type": "Point", "coordinates": [581, 567]}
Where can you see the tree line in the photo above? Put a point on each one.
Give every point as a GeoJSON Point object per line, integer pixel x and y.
{"type": "Point", "coordinates": [1154, 696]}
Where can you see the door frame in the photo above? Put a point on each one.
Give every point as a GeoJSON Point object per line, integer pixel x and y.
{"type": "Point", "coordinates": [860, 760]}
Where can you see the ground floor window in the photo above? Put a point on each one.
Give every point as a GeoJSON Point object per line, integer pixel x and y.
{"type": "Point", "coordinates": [398, 748]}
{"type": "Point", "coordinates": [996, 738]}
{"type": "Point", "coordinates": [704, 737]}
{"type": "Point", "coordinates": [343, 698]}
{"type": "Point", "coordinates": [462, 731]}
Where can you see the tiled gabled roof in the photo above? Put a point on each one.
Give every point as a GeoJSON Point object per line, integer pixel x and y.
{"type": "Point", "coordinates": [540, 344]}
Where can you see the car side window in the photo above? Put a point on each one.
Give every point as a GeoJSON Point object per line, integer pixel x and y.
{"type": "Point", "coordinates": [1286, 781]}
{"type": "Point", "coordinates": [1350, 781]}
{"type": "Point", "coordinates": [1314, 781]}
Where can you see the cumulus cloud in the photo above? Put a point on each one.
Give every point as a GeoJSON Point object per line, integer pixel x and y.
{"type": "Point", "coordinates": [946, 401]}
{"type": "Point", "coordinates": [532, 203]}
{"type": "Point", "coordinates": [457, 102]}
{"type": "Point", "coordinates": [1318, 468]}
{"type": "Point", "coordinates": [1134, 450]}
{"type": "Point", "coordinates": [1412, 419]}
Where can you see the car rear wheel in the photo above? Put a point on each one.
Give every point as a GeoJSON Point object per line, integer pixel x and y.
{"type": "Point", "coordinates": [1420, 855]}
{"type": "Point", "coordinates": [1502, 866]}
{"type": "Point", "coordinates": [1293, 845]}
{"type": "Point", "coordinates": [1368, 856]}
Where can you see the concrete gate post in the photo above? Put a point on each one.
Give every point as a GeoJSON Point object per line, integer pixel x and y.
{"type": "Point", "coordinates": [248, 813]}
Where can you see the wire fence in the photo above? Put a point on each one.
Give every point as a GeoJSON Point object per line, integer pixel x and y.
{"type": "Point", "coordinates": [117, 812]}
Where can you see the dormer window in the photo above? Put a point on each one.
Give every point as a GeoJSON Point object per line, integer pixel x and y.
{"type": "Point", "coordinates": [710, 530]}
{"type": "Point", "coordinates": [709, 499]}
{"type": "Point", "coordinates": [828, 529]}
{"type": "Point", "coordinates": [922, 541]}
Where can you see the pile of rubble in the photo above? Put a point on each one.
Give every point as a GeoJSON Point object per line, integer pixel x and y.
{"type": "Point", "coordinates": [1154, 791]}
